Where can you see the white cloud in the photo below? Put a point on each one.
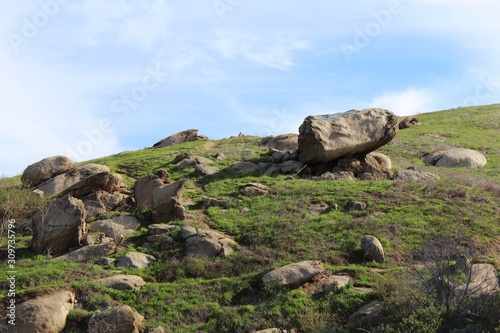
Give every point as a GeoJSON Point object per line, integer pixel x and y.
{"type": "Point", "coordinates": [406, 102]}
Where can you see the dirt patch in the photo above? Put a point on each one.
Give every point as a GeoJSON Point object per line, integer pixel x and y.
{"type": "Point", "coordinates": [209, 145]}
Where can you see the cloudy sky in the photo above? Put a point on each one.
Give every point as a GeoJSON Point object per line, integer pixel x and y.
{"type": "Point", "coordinates": [91, 78]}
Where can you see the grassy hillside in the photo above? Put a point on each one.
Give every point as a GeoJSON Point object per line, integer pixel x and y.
{"type": "Point", "coordinates": [223, 295]}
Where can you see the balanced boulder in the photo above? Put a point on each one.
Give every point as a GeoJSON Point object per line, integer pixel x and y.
{"type": "Point", "coordinates": [49, 167]}
{"type": "Point", "coordinates": [325, 138]}
{"type": "Point", "coordinates": [456, 158]}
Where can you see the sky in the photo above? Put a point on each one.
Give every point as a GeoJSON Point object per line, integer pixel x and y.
{"type": "Point", "coordinates": [92, 78]}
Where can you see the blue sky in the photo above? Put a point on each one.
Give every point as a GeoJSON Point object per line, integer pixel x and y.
{"type": "Point", "coordinates": [91, 78]}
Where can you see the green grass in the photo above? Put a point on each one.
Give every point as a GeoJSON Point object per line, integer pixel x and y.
{"type": "Point", "coordinates": [225, 295]}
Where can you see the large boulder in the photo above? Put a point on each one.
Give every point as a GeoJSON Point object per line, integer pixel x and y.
{"type": "Point", "coordinates": [123, 282]}
{"type": "Point", "coordinates": [372, 249]}
{"type": "Point", "coordinates": [45, 314]}
{"type": "Point", "coordinates": [135, 260]}
{"type": "Point", "coordinates": [88, 252]}
{"type": "Point", "coordinates": [325, 138]}
{"type": "Point", "coordinates": [49, 167]}
{"type": "Point", "coordinates": [105, 181]}
{"type": "Point", "coordinates": [119, 225]}
{"type": "Point", "coordinates": [63, 181]}
{"type": "Point", "coordinates": [456, 158]}
{"type": "Point", "coordinates": [483, 280]}
{"type": "Point", "coordinates": [60, 226]}
{"type": "Point", "coordinates": [117, 320]}
{"type": "Point", "coordinates": [167, 202]}
{"type": "Point", "coordinates": [283, 142]}
{"type": "Point", "coordinates": [145, 186]}
{"type": "Point", "coordinates": [294, 275]}
{"type": "Point", "coordinates": [100, 202]}
{"type": "Point", "coordinates": [206, 243]}
{"type": "Point", "coordinates": [184, 136]}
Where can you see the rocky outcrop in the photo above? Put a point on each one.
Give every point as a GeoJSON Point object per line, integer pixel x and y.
{"type": "Point", "coordinates": [243, 168]}
{"type": "Point", "coordinates": [135, 260]}
{"type": "Point", "coordinates": [45, 314]}
{"type": "Point", "coordinates": [123, 282]}
{"type": "Point", "coordinates": [456, 158]}
{"type": "Point", "coordinates": [89, 252]}
{"type": "Point", "coordinates": [49, 167]}
{"type": "Point", "coordinates": [206, 243]}
{"type": "Point", "coordinates": [412, 175]}
{"type": "Point", "coordinates": [145, 186]}
{"type": "Point", "coordinates": [340, 175]}
{"type": "Point", "coordinates": [64, 181]}
{"type": "Point", "coordinates": [100, 202]}
{"type": "Point", "coordinates": [117, 320]}
{"type": "Point", "coordinates": [284, 142]}
{"type": "Point", "coordinates": [372, 249]}
{"type": "Point", "coordinates": [105, 181]}
{"type": "Point", "coordinates": [160, 229]}
{"type": "Point", "coordinates": [59, 227]}
{"type": "Point", "coordinates": [294, 275]}
{"type": "Point", "coordinates": [326, 138]}
{"type": "Point", "coordinates": [184, 136]}
{"type": "Point", "coordinates": [167, 202]}
{"type": "Point", "coordinates": [119, 225]}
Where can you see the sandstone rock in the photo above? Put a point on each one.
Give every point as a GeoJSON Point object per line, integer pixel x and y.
{"type": "Point", "coordinates": [211, 202]}
{"type": "Point", "coordinates": [332, 283]}
{"type": "Point", "coordinates": [242, 168]}
{"type": "Point", "coordinates": [384, 160]}
{"type": "Point", "coordinates": [159, 229]}
{"type": "Point", "coordinates": [49, 167]}
{"type": "Point", "coordinates": [323, 139]}
{"type": "Point", "coordinates": [123, 282]}
{"type": "Point", "coordinates": [254, 190]}
{"type": "Point", "coordinates": [184, 136]}
{"type": "Point", "coordinates": [166, 202]}
{"type": "Point", "coordinates": [161, 239]}
{"type": "Point", "coordinates": [105, 181]}
{"type": "Point", "coordinates": [135, 260]}
{"type": "Point", "coordinates": [368, 316]}
{"type": "Point", "coordinates": [181, 157]}
{"type": "Point", "coordinates": [59, 227]}
{"type": "Point", "coordinates": [284, 142]}
{"type": "Point", "coordinates": [105, 261]}
{"type": "Point", "coordinates": [291, 167]}
{"type": "Point", "coordinates": [188, 232]}
{"type": "Point", "coordinates": [319, 208]}
{"type": "Point", "coordinates": [364, 167]}
{"type": "Point", "coordinates": [483, 281]}
{"type": "Point", "coordinates": [88, 252]}
{"type": "Point", "coordinates": [145, 186]}
{"type": "Point", "coordinates": [412, 175]}
{"type": "Point", "coordinates": [63, 181]}
{"type": "Point", "coordinates": [205, 169]}
{"type": "Point", "coordinates": [372, 249]}
{"type": "Point", "coordinates": [294, 275]}
{"type": "Point", "coordinates": [456, 158]}
{"type": "Point", "coordinates": [119, 225]}
{"type": "Point", "coordinates": [207, 244]}
{"type": "Point", "coordinates": [276, 157]}
{"type": "Point", "coordinates": [117, 320]}
{"type": "Point", "coordinates": [341, 175]}
{"type": "Point", "coordinates": [45, 314]}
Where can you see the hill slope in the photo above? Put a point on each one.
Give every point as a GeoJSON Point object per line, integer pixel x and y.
{"type": "Point", "coordinates": [224, 295]}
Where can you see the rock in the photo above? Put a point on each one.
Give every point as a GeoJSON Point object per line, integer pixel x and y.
{"type": "Point", "coordinates": [207, 244]}
{"type": "Point", "coordinates": [184, 136]}
{"type": "Point", "coordinates": [45, 314]}
{"type": "Point", "coordinates": [284, 142]}
{"type": "Point", "coordinates": [274, 330]}
{"type": "Point", "coordinates": [341, 175]}
{"type": "Point", "coordinates": [252, 190]}
{"type": "Point", "coordinates": [220, 156]}
{"type": "Point", "coordinates": [205, 169]}
{"type": "Point", "coordinates": [188, 232]}
{"type": "Point", "coordinates": [243, 168]}
{"type": "Point", "coordinates": [59, 227]}
{"type": "Point", "coordinates": [105, 181]}
{"type": "Point", "coordinates": [272, 170]}
{"type": "Point", "coordinates": [100, 202]}
{"type": "Point", "coordinates": [404, 123]}
{"type": "Point", "coordinates": [356, 205]}
{"type": "Point", "coordinates": [49, 167]}
{"type": "Point", "coordinates": [145, 186]}
{"type": "Point", "coordinates": [456, 158]}
{"type": "Point", "coordinates": [276, 157]}
{"type": "Point", "coordinates": [158, 329]}
{"type": "Point", "coordinates": [244, 210]}
{"type": "Point", "coordinates": [135, 260]}
{"type": "Point", "coordinates": [166, 202]}
{"type": "Point", "coordinates": [333, 283]}
{"type": "Point", "coordinates": [211, 202]}
{"type": "Point", "coordinates": [317, 209]}
{"type": "Point", "coordinates": [361, 165]}
{"type": "Point", "coordinates": [119, 225]}
{"type": "Point", "coordinates": [123, 282]}
{"type": "Point", "coordinates": [382, 159]}
{"type": "Point", "coordinates": [368, 316]}
{"type": "Point", "coordinates": [326, 138]}
{"type": "Point", "coordinates": [63, 181]}
{"type": "Point", "coordinates": [291, 167]}
{"type": "Point", "coordinates": [117, 320]}
{"type": "Point", "coordinates": [372, 249]}
{"type": "Point", "coordinates": [483, 281]}
{"type": "Point", "coordinates": [412, 175]}
{"type": "Point", "coordinates": [181, 157]}
{"type": "Point", "coordinates": [88, 252]}
{"type": "Point", "coordinates": [294, 275]}
{"type": "Point", "coordinates": [159, 229]}
{"type": "Point", "coordinates": [161, 239]}
{"type": "Point", "coordinates": [105, 261]}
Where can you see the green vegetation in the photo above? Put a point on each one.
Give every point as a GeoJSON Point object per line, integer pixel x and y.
{"type": "Point", "coordinates": [225, 295]}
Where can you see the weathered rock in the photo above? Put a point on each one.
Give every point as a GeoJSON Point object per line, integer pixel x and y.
{"type": "Point", "coordinates": [332, 283]}
{"type": "Point", "coordinates": [118, 320]}
{"type": "Point", "coordinates": [483, 281]}
{"type": "Point", "coordinates": [291, 167]}
{"type": "Point", "coordinates": [368, 316]}
{"type": "Point", "coordinates": [63, 181]}
{"type": "Point", "coordinates": [207, 244]}
{"type": "Point", "coordinates": [105, 181]}
{"type": "Point", "coordinates": [188, 232]}
{"type": "Point", "coordinates": [284, 142]}
{"type": "Point", "coordinates": [100, 202]}
{"type": "Point", "coordinates": [254, 190]}
{"type": "Point", "coordinates": [123, 282]}
{"type": "Point", "coordinates": [205, 169]}
{"type": "Point", "coordinates": [456, 158]}
{"type": "Point", "coordinates": [88, 252]}
{"type": "Point", "coordinates": [105, 261]}
{"type": "Point", "coordinates": [184, 136]}
{"type": "Point", "coordinates": [166, 202]}
{"type": "Point", "coordinates": [363, 167]}
{"type": "Point", "coordinates": [294, 275]}
{"type": "Point", "coordinates": [276, 157]}
{"type": "Point", "coordinates": [323, 139]}
{"type": "Point", "coordinates": [159, 229]}
{"type": "Point", "coordinates": [181, 157]}
{"type": "Point", "coordinates": [59, 227]}
{"type": "Point", "coordinates": [272, 170]}
{"type": "Point", "coordinates": [242, 168]}
{"type": "Point", "coordinates": [412, 175]}
{"type": "Point", "coordinates": [372, 249]}
{"type": "Point", "coordinates": [319, 208]}
{"type": "Point", "coordinates": [45, 314]}
{"type": "Point", "coordinates": [145, 186]}
{"type": "Point", "coordinates": [119, 225]}
{"type": "Point", "coordinates": [211, 202]}
{"type": "Point", "coordinates": [135, 260]}
{"type": "Point", "coordinates": [161, 239]}
{"type": "Point", "coordinates": [49, 167]}
{"type": "Point", "coordinates": [341, 175]}
{"type": "Point", "coordinates": [382, 159]}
